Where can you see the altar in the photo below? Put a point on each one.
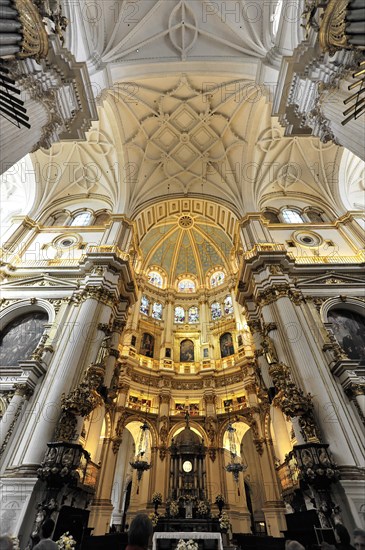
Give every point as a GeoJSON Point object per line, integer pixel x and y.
{"type": "Point", "coordinates": [187, 535]}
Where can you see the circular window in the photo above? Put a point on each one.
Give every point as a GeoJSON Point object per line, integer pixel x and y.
{"type": "Point", "coordinates": [66, 241]}
{"type": "Point", "coordinates": [186, 221]}
{"type": "Point", "coordinates": [306, 238]}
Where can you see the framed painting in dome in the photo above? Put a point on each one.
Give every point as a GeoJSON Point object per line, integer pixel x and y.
{"type": "Point", "coordinates": [147, 345]}
{"type": "Point", "coordinates": [187, 351]}
{"type": "Point", "coordinates": [194, 409]}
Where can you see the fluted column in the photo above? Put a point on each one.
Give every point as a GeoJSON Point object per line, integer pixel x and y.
{"type": "Point", "coordinates": [23, 392]}
{"type": "Point", "coordinates": [43, 419]}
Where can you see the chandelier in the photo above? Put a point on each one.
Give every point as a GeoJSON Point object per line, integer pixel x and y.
{"type": "Point", "coordinates": [235, 465]}
{"type": "Point", "coordinates": [140, 463]}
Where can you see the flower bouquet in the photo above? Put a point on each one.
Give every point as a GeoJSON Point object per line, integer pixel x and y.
{"type": "Point", "coordinates": [224, 522]}
{"type": "Point", "coordinates": [174, 509]}
{"type": "Point", "coordinates": [202, 508]}
{"type": "Point", "coordinates": [66, 541]}
{"type": "Point", "coordinates": [187, 545]}
{"type": "Point", "coordinates": [154, 519]}
{"type": "Point", "coordinates": [157, 500]}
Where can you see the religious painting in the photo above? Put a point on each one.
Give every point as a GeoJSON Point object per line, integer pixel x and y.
{"type": "Point", "coordinates": [227, 403]}
{"type": "Point", "coordinates": [205, 353]}
{"type": "Point", "coordinates": [20, 337]}
{"type": "Point", "coordinates": [133, 341]}
{"type": "Point", "coordinates": [226, 344]}
{"type": "Point", "coordinates": [187, 351]}
{"type": "Point", "coordinates": [242, 402]}
{"type": "Point", "coordinates": [146, 403]}
{"type": "Point", "coordinates": [240, 340]}
{"type": "Point", "coordinates": [349, 330]}
{"type": "Point", "coordinates": [134, 402]}
{"type": "Point", "coordinates": [180, 408]}
{"type": "Point", "coordinates": [147, 345]}
{"type": "Point", "coordinates": [194, 409]}
{"type": "Point", "coordinates": [168, 353]}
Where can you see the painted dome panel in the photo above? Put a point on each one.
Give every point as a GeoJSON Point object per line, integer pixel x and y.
{"type": "Point", "coordinates": [186, 244]}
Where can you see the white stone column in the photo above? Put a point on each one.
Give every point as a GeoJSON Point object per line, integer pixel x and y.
{"type": "Point", "coordinates": [42, 421]}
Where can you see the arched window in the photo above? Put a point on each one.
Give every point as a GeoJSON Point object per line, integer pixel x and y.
{"type": "Point", "coordinates": [291, 216]}
{"type": "Point", "coordinates": [147, 345]}
{"type": "Point", "coordinates": [217, 279]}
{"type": "Point", "coordinates": [186, 285]}
{"type": "Point", "coordinates": [157, 311]}
{"type": "Point", "coordinates": [228, 305]}
{"type": "Point", "coordinates": [216, 311]}
{"type": "Point", "coordinates": [349, 330]}
{"type": "Point", "coordinates": [59, 218]}
{"type": "Point", "coordinates": [101, 218]}
{"type": "Point", "coordinates": [275, 18]}
{"type": "Point", "coordinates": [193, 314]}
{"type": "Point", "coordinates": [81, 219]}
{"type": "Point", "coordinates": [179, 314]}
{"type": "Point", "coordinates": [155, 279]}
{"type": "Point", "coordinates": [20, 337]}
{"type": "Point", "coordinates": [314, 216]}
{"type": "Point", "coordinates": [226, 344]}
{"type": "Point", "coordinates": [145, 305]}
{"type": "Point", "coordinates": [187, 351]}
{"type": "Point", "coordinates": [271, 216]}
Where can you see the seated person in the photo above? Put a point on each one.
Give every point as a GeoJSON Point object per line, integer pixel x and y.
{"type": "Point", "coordinates": [139, 532]}
{"type": "Point", "coordinates": [46, 543]}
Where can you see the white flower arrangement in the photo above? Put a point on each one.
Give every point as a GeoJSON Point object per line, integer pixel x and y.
{"type": "Point", "coordinates": [187, 545]}
{"type": "Point", "coordinates": [66, 541]}
{"type": "Point", "coordinates": [220, 499]}
{"type": "Point", "coordinates": [15, 542]}
{"type": "Point", "coordinates": [174, 509]}
{"type": "Point", "coordinates": [157, 498]}
{"type": "Point", "coordinates": [224, 522]}
{"type": "Point", "coordinates": [202, 508]}
{"type": "Point", "coordinates": [154, 519]}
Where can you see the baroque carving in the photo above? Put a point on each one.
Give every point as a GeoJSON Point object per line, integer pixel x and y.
{"type": "Point", "coordinates": [292, 401]}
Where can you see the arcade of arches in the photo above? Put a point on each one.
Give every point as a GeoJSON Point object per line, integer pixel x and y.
{"type": "Point", "coordinates": [182, 306]}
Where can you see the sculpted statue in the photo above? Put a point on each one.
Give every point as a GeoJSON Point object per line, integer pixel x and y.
{"type": "Point", "coordinates": [269, 350]}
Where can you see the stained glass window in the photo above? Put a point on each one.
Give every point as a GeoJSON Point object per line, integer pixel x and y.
{"type": "Point", "coordinates": [193, 314]}
{"type": "Point", "coordinates": [291, 216]}
{"type": "Point", "coordinates": [228, 306]}
{"type": "Point", "coordinates": [145, 305]}
{"type": "Point", "coordinates": [217, 278]}
{"type": "Point", "coordinates": [216, 311]}
{"type": "Point", "coordinates": [157, 311]}
{"type": "Point", "coordinates": [179, 314]}
{"type": "Point", "coordinates": [155, 278]}
{"type": "Point", "coordinates": [84, 218]}
{"type": "Point", "coordinates": [186, 285]}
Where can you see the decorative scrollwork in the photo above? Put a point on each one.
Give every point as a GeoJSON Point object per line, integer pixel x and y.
{"type": "Point", "coordinates": [332, 32]}
{"type": "Point", "coordinates": [35, 38]}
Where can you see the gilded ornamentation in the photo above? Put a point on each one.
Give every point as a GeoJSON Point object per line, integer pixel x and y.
{"type": "Point", "coordinates": [254, 326]}
{"type": "Point", "coordinates": [80, 402]}
{"type": "Point", "coordinates": [332, 32]}
{"type": "Point", "coordinates": [212, 452]}
{"type": "Point", "coordinates": [23, 390]}
{"type": "Point", "coordinates": [66, 428]}
{"type": "Point", "coordinates": [269, 350]}
{"type": "Point", "coordinates": [210, 429]}
{"type": "Point", "coordinates": [292, 401]}
{"type": "Point", "coordinates": [35, 39]}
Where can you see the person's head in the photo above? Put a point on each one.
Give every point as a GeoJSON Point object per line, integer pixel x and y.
{"type": "Point", "coordinates": [140, 531]}
{"type": "Point", "coordinates": [359, 539]}
{"type": "Point", "coordinates": [342, 534]}
{"type": "Point", "coordinates": [293, 545]}
{"type": "Point", "coordinates": [47, 528]}
{"type": "Point", "coordinates": [6, 543]}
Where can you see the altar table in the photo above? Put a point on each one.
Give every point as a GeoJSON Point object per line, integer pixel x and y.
{"type": "Point", "coordinates": [187, 535]}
